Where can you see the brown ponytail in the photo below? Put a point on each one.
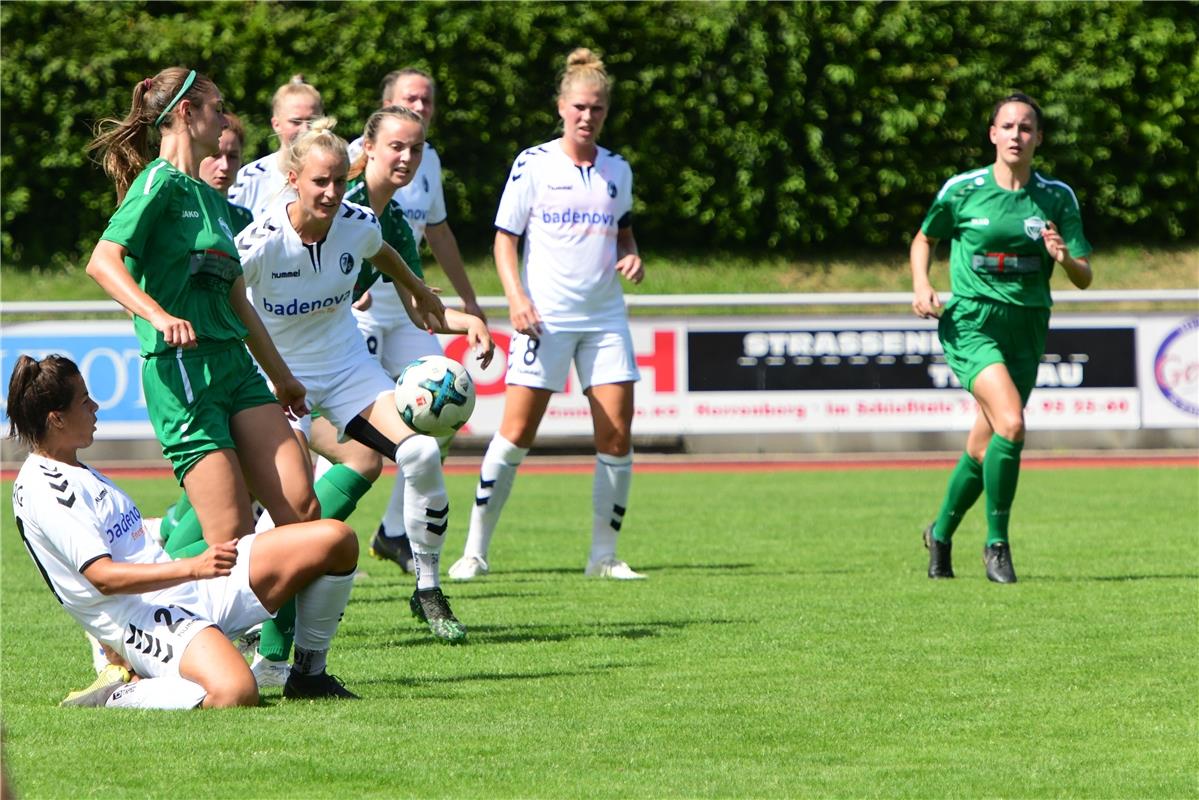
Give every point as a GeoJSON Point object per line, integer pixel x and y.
{"type": "Point", "coordinates": [125, 145]}
{"type": "Point", "coordinates": [36, 389]}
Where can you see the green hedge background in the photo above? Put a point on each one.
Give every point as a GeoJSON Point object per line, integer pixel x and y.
{"type": "Point", "coordinates": [758, 126]}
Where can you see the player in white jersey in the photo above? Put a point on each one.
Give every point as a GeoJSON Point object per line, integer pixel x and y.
{"type": "Point", "coordinates": [301, 263]}
{"type": "Point", "coordinates": [571, 200]}
{"type": "Point", "coordinates": [262, 183]}
{"type": "Point", "coordinates": [168, 619]}
{"type": "Point", "coordinates": [380, 316]}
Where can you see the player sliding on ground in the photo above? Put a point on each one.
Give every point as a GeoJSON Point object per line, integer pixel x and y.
{"type": "Point", "coordinates": [169, 620]}
{"type": "Point", "coordinates": [1010, 226]}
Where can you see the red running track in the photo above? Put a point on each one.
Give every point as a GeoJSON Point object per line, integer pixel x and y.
{"type": "Point", "coordinates": [669, 464]}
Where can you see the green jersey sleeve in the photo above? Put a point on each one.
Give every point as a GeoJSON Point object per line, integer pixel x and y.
{"type": "Point", "coordinates": [140, 212]}
{"type": "Point", "coordinates": [1070, 227]}
{"type": "Point", "coordinates": [940, 222]}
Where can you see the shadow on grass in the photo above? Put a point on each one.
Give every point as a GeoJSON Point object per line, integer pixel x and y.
{"type": "Point", "coordinates": [479, 635]}
{"type": "Point", "coordinates": [1173, 576]}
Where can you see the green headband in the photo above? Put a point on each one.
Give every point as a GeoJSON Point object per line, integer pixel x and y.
{"type": "Point", "coordinates": [187, 84]}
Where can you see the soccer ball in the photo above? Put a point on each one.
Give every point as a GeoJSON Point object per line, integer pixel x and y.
{"type": "Point", "coordinates": [435, 395]}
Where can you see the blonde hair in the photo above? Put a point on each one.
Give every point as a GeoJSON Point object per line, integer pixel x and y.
{"type": "Point", "coordinates": [371, 131]}
{"type": "Point", "coordinates": [319, 135]}
{"type": "Point", "coordinates": [124, 146]}
{"type": "Point", "coordinates": [582, 65]}
{"type": "Point", "coordinates": [295, 87]}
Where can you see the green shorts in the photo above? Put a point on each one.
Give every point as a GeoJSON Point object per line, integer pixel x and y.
{"type": "Point", "coordinates": [978, 333]}
{"type": "Point", "coordinates": [192, 395]}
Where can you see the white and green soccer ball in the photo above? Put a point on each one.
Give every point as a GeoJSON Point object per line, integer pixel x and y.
{"type": "Point", "coordinates": [435, 395]}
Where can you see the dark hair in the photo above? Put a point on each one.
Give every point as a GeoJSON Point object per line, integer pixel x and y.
{"type": "Point", "coordinates": [1020, 97]}
{"type": "Point", "coordinates": [371, 131]}
{"type": "Point", "coordinates": [389, 82]}
{"type": "Point", "coordinates": [124, 145]}
{"type": "Point", "coordinates": [35, 389]}
{"type": "Point", "coordinates": [236, 127]}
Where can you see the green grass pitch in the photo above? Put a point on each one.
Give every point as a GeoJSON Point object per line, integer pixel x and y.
{"type": "Point", "coordinates": [786, 644]}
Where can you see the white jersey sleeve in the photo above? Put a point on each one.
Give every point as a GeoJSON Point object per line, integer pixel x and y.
{"type": "Point", "coordinates": [516, 203]}
{"type": "Point", "coordinates": [259, 185]}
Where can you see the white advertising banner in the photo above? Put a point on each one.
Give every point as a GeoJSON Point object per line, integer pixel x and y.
{"type": "Point", "coordinates": [789, 374]}
{"type": "Point", "coordinates": [1168, 371]}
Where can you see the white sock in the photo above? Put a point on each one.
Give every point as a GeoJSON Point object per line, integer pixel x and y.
{"type": "Point", "coordinates": [426, 505]}
{"type": "Point", "coordinates": [393, 517]}
{"type": "Point", "coordinates": [99, 657]}
{"type": "Point", "coordinates": [263, 521]}
{"type": "Point", "coordinates": [393, 520]}
{"type": "Point", "coordinates": [320, 467]}
{"type": "Point", "coordinates": [496, 477]}
{"type": "Point", "coordinates": [171, 693]}
{"type": "Point", "coordinates": [609, 499]}
{"type": "Point", "coordinates": [319, 608]}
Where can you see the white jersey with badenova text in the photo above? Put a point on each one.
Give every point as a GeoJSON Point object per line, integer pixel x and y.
{"type": "Point", "coordinates": [260, 185]}
{"type": "Point", "coordinates": [303, 292]}
{"type": "Point", "coordinates": [569, 216]}
{"type": "Point", "coordinates": [70, 517]}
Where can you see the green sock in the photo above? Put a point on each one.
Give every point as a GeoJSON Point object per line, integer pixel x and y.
{"type": "Point", "coordinates": [187, 532]}
{"type": "Point", "coordinates": [278, 633]}
{"type": "Point", "coordinates": [170, 519]}
{"type": "Point", "coordinates": [193, 549]}
{"type": "Point", "coordinates": [339, 491]}
{"type": "Point", "coordinates": [1001, 471]}
{"type": "Point", "coordinates": [965, 485]}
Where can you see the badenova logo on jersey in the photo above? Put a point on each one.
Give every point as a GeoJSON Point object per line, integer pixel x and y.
{"type": "Point", "coordinates": [569, 216]}
{"type": "Point", "coordinates": [1176, 366]}
{"type": "Point", "coordinates": [296, 307]}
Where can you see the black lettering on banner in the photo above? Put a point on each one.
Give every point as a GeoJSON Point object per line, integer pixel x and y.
{"type": "Point", "coordinates": [531, 345]}
{"type": "Point", "coordinates": [887, 358]}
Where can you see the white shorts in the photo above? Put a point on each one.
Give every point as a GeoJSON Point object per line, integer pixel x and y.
{"type": "Point", "coordinates": [544, 363]}
{"type": "Point", "coordinates": [162, 624]}
{"type": "Point", "coordinates": [389, 333]}
{"type": "Point", "coordinates": [344, 393]}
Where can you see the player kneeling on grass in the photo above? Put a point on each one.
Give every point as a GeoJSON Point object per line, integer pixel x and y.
{"type": "Point", "coordinates": [169, 620]}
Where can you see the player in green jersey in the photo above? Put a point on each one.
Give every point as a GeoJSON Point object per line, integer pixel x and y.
{"type": "Point", "coordinates": [219, 172]}
{"type": "Point", "coordinates": [169, 258]}
{"type": "Point", "coordinates": [1009, 225]}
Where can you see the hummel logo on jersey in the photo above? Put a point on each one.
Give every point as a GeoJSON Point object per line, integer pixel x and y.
{"type": "Point", "coordinates": [293, 273]}
{"type": "Point", "coordinates": [346, 263]}
{"type": "Point", "coordinates": [520, 164]}
{"type": "Point", "coordinates": [102, 495]}
{"type": "Point", "coordinates": [188, 213]}
{"type": "Point", "coordinates": [565, 188]}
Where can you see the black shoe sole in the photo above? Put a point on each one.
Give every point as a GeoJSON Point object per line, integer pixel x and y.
{"type": "Point", "coordinates": [934, 571]}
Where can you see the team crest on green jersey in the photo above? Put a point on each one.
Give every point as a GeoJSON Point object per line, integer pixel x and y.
{"type": "Point", "coordinates": [1033, 227]}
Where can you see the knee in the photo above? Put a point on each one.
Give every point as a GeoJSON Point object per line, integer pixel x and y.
{"type": "Point", "coordinates": [342, 547]}
{"type": "Point", "coordinates": [1010, 426]}
{"type": "Point", "coordinates": [615, 442]}
{"type": "Point", "coordinates": [232, 692]}
{"type": "Point", "coordinates": [417, 455]}
{"type": "Point", "coordinates": [366, 463]}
